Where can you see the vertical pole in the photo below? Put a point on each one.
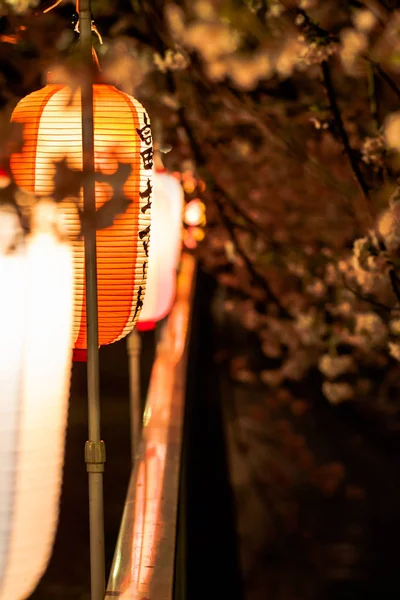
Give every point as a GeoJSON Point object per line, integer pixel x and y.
{"type": "Point", "coordinates": [94, 448]}
{"type": "Point", "coordinates": [134, 346]}
{"type": "Point", "coordinates": [159, 332]}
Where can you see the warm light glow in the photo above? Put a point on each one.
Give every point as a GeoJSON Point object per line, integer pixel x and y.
{"type": "Point", "coordinates": [188, 240]}
{"type": "Point", "coordinates": [5, 179]}
{"type": "Point", "coordinates": [174, 337]}
{"type": "Point", "coordinates": [197, 233]}
{"type": "Point", "coordinates": [195, 213]}
{"type": "Point", "coordinates": [165, 246]}
{"type": "Point", "coordinates": [36, 307]}
{"type": "Point", "coordinates": [147, 508]}
{"type": "Point", "coordinates": [149, 519]}
{"type": "Point", "coordinates": [52, 131]}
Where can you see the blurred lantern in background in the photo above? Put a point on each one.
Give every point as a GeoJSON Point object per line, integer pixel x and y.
{"type": "Point", "coordinates": [193, 235]}
{"type": "Point", "coordinates": [164, 256]}
{"type": "Point", "coordinates": [165, 248]}
{"type": "Point", "coordinates": [194, 219]}
{"type": "Point", "coordinates": [188, 240]}
{"type": "Point", "coordinates": [36, 311]}
{"type": "Point", "coordinates": [5, 179]}
{"type": "Point", "coordinates": [79, 355]}
{"type": "Point", "coordinates": [145, 325]}
{"type": "Point", "coordinates": [52, 123]}
{"type": "Point", "coordinates": [195, 213]}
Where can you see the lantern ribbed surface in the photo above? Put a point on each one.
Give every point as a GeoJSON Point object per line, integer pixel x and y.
{"type": "Point", "coordinates": [166, 227]}
{"type": "Point", "coordinates": [36, 311]}
{"type": "Point", "coordinates": [52, 123]}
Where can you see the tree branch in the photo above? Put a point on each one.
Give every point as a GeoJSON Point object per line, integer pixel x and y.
{"type": "Point", "coordinates": [394, 280]}
{"type": "Point", "coordinates": [240, 212]}
{"type": "Point", "coordinates": [393, 86]}
{"type": "Point", "coordinates": [256, 276]}
{"type": "Point", "coordinates": [200, 160]}
{"type": "Point", "coordinates": [367, 298]}
{"type": "Point", "coordinates": [373, 96]}
{"type": "Point", "coordinates": [343, 133]}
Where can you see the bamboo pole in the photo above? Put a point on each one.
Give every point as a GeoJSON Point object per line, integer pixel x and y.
{"type": "Point", "coordinates": [94, 448]}
{"type": "Point", "coordinates": [134, 347]}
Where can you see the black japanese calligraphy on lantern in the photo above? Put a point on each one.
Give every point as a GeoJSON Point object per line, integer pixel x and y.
{"type": "Point", "coordinates": [147, 156]}
{"type": "Point", "coordinates": [145, 232]}
{"type": "Point", "coordinates": [139, 302]}
{"type": "Point", "coordinates": [144, 269]}
{"type": "Point", "coordinates": [145, 132]}
{"type": "Point", "coordinates": [146, 195]}
{"type": "Point", "coordinates": [144, 236]}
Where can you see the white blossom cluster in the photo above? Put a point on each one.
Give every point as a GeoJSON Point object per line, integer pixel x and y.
{"type": "Point", "coordinates": [21, 6]}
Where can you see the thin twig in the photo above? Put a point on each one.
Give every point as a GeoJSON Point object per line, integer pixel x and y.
{"type": "Point", "coordinates": [256, 276]}
{"type": "Point", "coordinates": [393, 86]}
{"type": "Point", "coordinates": [200, 159]}
{"type": "Point", "coordinates": [373, 96]}
{"type": "Point", "coordinates": [343, 133]}
{"type": "Point", "coordinates": [240, 212]}
{"type": "Point", "coordinates": [367, 298]}
{"type": "Point", "coordinates": [394, 280]}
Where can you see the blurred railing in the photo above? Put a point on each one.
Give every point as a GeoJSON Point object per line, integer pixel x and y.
{"type": "Point", "coordinates": [144, 559]}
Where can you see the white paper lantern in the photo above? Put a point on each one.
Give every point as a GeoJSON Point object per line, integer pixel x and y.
{"type": "Point", "coordinates": [165, 247]}
{"type": "Point", "coordinates": [36, 306]}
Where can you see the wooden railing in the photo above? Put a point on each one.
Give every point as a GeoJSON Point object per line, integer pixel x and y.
{"type": "Point", "coordinates": [144, 558]}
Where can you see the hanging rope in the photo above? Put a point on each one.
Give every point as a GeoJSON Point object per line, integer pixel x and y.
{"type": "Point", "coordinates": [15, 38]}
{"type": "Point", "coordinates": [46, 10]}
{"type": "Point", "coordinates": [76, 28]}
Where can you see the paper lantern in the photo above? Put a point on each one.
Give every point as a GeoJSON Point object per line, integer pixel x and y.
{"type": "Point", "coordinates": [166, 225]}
{"type": "Point", "coordinates": [195, 211]}
{"type": "Point", "coordinates": [146, 325]}
{"type": "Point", "coordinates": [79, 355]}
{"type": "Point", "coordinates": [36, 307]}
{"type": "Point", "coordinates": [52, 131]}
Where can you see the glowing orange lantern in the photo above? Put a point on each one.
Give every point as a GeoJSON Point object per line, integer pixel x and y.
{"type": "Point", "coordinates": [166, 224]}
{"type": "Point", "coordinates": [52, 132]}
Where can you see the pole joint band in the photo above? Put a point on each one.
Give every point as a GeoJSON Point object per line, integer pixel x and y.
{"type": "Point", "coordinates": [95, 456]}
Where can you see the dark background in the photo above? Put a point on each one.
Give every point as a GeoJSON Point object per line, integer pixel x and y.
{"type": "Point", "coordinates": [346, 542]}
